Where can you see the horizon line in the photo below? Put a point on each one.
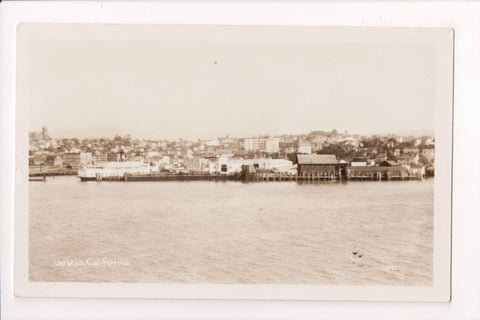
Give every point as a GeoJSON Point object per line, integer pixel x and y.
{"type": "Point", "coordinates": [62, 134]}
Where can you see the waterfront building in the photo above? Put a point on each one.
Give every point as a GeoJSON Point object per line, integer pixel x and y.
{"type": "Point", "coordinates": [388, 163]}
{"type": "Point", "coordinates": [227, 166]}
{"type": "Point", "coordinates": [113, 169]}
{"type": "Point", "coordinates": [197, 164]}
{"type": "Point", "coordinates": [99, 157]}
{"type": "Point", "coordinates": [71, 160]}
{"type": "Point", "coordinates": [55, 161]}
{"type": "Point", "coordinates": [384, 172]}
{"type": "Point", "coordinates": [417, 170]}
{"type": "Point", "coordinates": [320, 164]}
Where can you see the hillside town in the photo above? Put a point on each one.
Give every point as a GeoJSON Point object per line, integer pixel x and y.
{"type": "Point", "coordinates": [318, 153]}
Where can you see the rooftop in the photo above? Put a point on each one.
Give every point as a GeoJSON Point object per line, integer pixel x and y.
{"type": "Point", "coordinates": [317, 159]}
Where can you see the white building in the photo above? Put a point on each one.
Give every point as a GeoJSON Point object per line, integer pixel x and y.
{"type": "Point", "coordinates": [197, 164]}
{"type": "Point", "coordinates": [226, 165]}
{"type": "Point", "coordinates": [304, 148]}
{"type": "Point", "coordinates": [272, 145]}
{"type": "Point", "coordinates": [85, 158]}
{"type": "Point", "coordinates": [359, 162]}
{"type": "Point", "coordinates": [113, 169]}
{"type": "Point", "coordinates": [212, 143]}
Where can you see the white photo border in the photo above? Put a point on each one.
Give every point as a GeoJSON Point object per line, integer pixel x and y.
{"type": "Point", "coordinates": [463, 17]}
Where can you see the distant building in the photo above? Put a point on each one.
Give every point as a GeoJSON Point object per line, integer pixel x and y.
{"type": "Point", "coordinates": [429, 154]}
{"type": "Point", "coordinates": [430, 142]}
{"type": "Point", "coordinates": [410, 150]}
{"type": "Point", "coordinates": [44, 133]}
{"type": "Point", "coordinates": [380, 158]}
{"type": "Point", "coordinates": [114, 157]}
{"type": "Point", "coordinates": [288, 147]}
{"type": "Point", "coordinates": [304, 148]}
{"type": "Point", "coordinates": [152, 154]}
{"type": "Point", "coordinates": [407, 158]}
{"type": "Point", "coordinates": [317, 143]}
{"type": "Point", "coordinates": [85, 158]}
{"type": "Point", "coordinates": [212, 143]}
{"type": "Point", "coordinates": [255, 144]}
{"type": "Point", "coordinates": [272, 145]}
{"type": "Point", "coordinates": [129, 156]}
{"type": "Point", "coordinates": [359, 162]}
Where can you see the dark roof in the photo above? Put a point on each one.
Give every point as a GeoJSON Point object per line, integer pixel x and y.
{"type": "Point", "coordinates": [388, 163]}
{"type": "Point", "coordinates": [359, 159]}
{"type": "Point", "coordinates": [317, 159]}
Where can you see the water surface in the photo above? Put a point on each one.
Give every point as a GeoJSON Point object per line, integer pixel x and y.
{"type": "Point", "coordinates": [232, 232]}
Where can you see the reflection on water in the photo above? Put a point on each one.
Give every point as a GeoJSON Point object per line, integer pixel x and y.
{"type": "Point", "coordinates": [355, 233]}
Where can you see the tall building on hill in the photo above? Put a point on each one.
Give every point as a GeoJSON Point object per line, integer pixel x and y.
{"type": "Point", "coordinates": [44, 133]}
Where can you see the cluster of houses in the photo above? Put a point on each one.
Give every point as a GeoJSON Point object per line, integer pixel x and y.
{"type": "Point", "coordinates": [318, 153]}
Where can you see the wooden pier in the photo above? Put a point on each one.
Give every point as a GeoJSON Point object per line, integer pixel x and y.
{"type": "Point", "coordinates": [51, 172]}
{"type": "Point", "coordinates": [381, 174]}
{"type": "Point", "coordinates": [352, 174]}
{"type": "Point", "coordinates": [174, 177]}
{"type": "Point", "coordinates": [289, 177]}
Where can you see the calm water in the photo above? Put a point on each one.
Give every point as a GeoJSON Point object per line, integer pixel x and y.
{"type": "Point", "coordinates": [231, 232]}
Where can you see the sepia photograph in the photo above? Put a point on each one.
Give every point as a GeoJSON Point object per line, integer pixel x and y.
{"type": "Point", "coordinates": [267, 162]}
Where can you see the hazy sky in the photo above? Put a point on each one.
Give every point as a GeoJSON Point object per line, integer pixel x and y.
{"type": "Point", "coordinates": [200, 89]}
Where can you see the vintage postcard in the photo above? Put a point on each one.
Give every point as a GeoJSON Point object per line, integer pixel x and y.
{"type": "Point", "coordinates": [233, 162]}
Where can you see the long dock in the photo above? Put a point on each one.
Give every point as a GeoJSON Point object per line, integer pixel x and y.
{"type": "Point", "coordinates": [177, 177]}
{"type": "Point", "coordinates": [373, 174]}
{"type": "Point", "coordinates": [52, 173]}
